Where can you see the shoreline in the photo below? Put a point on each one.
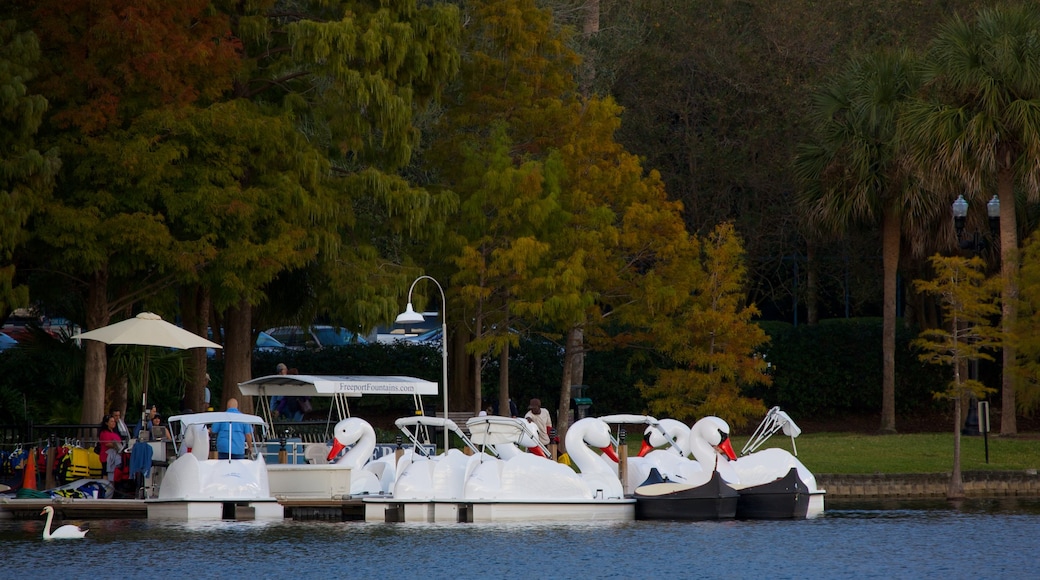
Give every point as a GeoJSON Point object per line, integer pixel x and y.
{"type": "Point", "coordinates": [1025, 483]}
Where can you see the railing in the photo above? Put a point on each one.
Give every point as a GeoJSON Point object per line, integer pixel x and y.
{"type": "Point", "coordinates": [37, 435]}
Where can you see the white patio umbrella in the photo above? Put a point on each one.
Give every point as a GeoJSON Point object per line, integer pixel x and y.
{"type": "Point", "coordinates": [147, 329]}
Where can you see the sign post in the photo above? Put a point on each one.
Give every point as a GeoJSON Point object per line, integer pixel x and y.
{"type": "Point", "coordinates": [984, 425]}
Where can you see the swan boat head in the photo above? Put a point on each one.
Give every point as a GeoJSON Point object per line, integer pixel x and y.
{"type": "Point", "coordinates": [356, 432]}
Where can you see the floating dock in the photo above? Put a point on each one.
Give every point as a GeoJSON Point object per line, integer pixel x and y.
{"type": "Point", "coordinates": [103, 509]}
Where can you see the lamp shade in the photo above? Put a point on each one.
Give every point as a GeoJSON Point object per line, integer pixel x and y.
{"type": "Point", "coordinates": [409, 316]}
{"type": "Point", "coordinates": [993, 208]}
{"type": "Point", "coordinates": [960, 207]}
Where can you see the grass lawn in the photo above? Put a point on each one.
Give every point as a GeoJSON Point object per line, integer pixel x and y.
{"type": "Point", "coordinates": [910, 453]}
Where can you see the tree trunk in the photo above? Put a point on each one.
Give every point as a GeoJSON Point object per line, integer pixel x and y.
{"type": "Point", "coordinates": [195, 315]}
{"type": "Point", "coordinates": [473, 362]}
{"type": "Point", "coordinates": [890, 259]}
{"type": "Point", "coordinates": [578, 363]}
{"type": "Point", "coordinates": [956, 489]}
{"type": "Point", "coordinates": [1009, 298]}
{"type": "Point", "coordinates": [571, 349]}
{"type": "Point", "coordinates": [503, 377]}
{"type": "Point", "coordinates": [120, 392]}
{"type": "Point", "coordinates": [812, 308]}
{"type": "Point", "coordinates": [458, 392]}
{"type": "Point", "coordinates": [238, 354]}
{"type": "Point", "coordinates": [96, 367]}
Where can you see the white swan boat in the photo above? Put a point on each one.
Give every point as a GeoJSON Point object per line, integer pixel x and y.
{"type": "Point", "coordinates": [196, 487]}
{"type": "Point", "coordinates": [317, 476]}
{"type": "Point", "coordinates": [666, 483]}
{"type": "Point", "coordinates": [771, 484]}
{"type": "Point", "coordinates": [497, 482]}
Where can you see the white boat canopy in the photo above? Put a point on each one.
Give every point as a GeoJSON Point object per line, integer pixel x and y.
{"type": "Point", "coordinates": [339, 388]}
{"type": "Point", "coordinates": [216, 417]}
{"type": "Point", "coordinates": [492, 430]}
{"type": "Point", "coordinates": [775, 420]}
{"type": "Point", "coordinates": [331, 385]}
{"type": "Point", "coordinates": [420, 436]}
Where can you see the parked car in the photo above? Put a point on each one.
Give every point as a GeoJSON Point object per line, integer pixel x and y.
{"type": "Point", "coordinates": [314, 337]}
{"type": "Point", "coordinates": [7, 342]}
{"type": "Point", "coordinates": [264, 343]}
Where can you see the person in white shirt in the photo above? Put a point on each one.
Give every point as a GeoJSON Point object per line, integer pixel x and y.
{"type": "Point", "coordinates": [540, 417]}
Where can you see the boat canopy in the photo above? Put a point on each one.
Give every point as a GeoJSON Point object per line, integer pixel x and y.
{"type": "Point", "coordinates": [622, 419]}
{"type": "Point", "coordinates": [775, 420]}
{"type": "Point", "coordinates": [216, 417]}
{"type": "Point", "coordinates": [331, 385]}
{"type": "Point", "coordinates": [338, 387]}
{"type": "Point", "coordinates": [419, 434]}
{"type": "Point", "coordinates": [493, 430]}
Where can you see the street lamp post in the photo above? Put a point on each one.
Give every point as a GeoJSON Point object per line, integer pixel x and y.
{"type": "Point", "coordinates": [410, 316]}
{"type": "Point", "coordinates": [975, 244]}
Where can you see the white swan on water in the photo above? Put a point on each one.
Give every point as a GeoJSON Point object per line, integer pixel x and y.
{"type": "Point", "coordinates": [67, 532]}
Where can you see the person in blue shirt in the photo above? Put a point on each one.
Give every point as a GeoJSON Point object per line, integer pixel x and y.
{"type": "Point", "coordinates": [237, 434]}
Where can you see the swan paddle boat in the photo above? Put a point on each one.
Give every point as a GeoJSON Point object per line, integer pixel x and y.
{"type": "Point", "coordinates": [311, 470]}
{"type": "Point", "coordinates": [771, 484]}
{"type": "Point", "coordinates": [196, 487]}
{"type": "Point", "coordinates": [674, 487]}
{"type": "Point", "coordinates": [497, 482]}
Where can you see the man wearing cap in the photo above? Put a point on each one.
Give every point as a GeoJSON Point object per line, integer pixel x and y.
{"type": "Point", "coordinates": [540, 417]}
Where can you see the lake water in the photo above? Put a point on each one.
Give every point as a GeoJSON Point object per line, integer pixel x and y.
{"type": "Point", "coordinates": [909, 539]}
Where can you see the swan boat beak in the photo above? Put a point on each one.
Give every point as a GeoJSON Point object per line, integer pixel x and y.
{"type": "Point", "coordinates": [647, 447]}
{"type": "Point", "coordinates": [727, 448]}
{"type": "Point", "coordinates": [609, 451]}
{"type": "Point", "coordinates": [336, 448]}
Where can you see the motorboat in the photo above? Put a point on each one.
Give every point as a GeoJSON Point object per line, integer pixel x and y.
{"type": "Point", "coordinates": [197, 488]}
{"type": "Point", "coordinates": [310, 471]}
{"type": "Point", "coordinates": [496, 481]}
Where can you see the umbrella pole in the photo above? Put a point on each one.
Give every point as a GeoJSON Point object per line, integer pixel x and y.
{"type": "Point", "coordinates": [144, 391]}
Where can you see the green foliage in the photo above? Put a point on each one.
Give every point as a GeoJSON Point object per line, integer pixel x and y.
{"type": "Point", "coordinates": [535, 367]}
{"type": "Point", "coordinates": [422, 361]}
{"type": "Point", "coordinates": [1026, 336]}
{"type": "Point", "coordinates": [713, 342]}
{"type": "Point", "coordinates": [969, 302]}
{"type": "Point", "coordinates": [39, 377]}
{"type": "Point", "coordinates": [26, 174]}
{"type": "Point", "coordinates": [833, 369]}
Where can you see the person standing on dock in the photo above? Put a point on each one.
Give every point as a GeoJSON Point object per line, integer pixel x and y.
{"type": "Point", "coordinates": [232, 438]}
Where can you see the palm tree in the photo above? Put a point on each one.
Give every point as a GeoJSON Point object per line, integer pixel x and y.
{"type": "Point", "coordinates": [976, 125]}
{"type": "Point", "coordinates": [853, 175]}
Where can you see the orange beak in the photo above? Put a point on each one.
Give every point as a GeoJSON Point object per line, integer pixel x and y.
{"type": "Point", "coordinates": [646, 448]}
{"type": "Point", "coordinates": [336, 448]}
{"type": "Point", "coordinates": [609, 451]}
{"type": "Point", "coordinates": [537, 451]}
{"type": "Point", "coordinates": [726, 448]}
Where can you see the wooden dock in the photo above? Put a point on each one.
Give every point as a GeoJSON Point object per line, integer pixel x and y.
{"type": "Point", "coordinates": [104, 509]}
